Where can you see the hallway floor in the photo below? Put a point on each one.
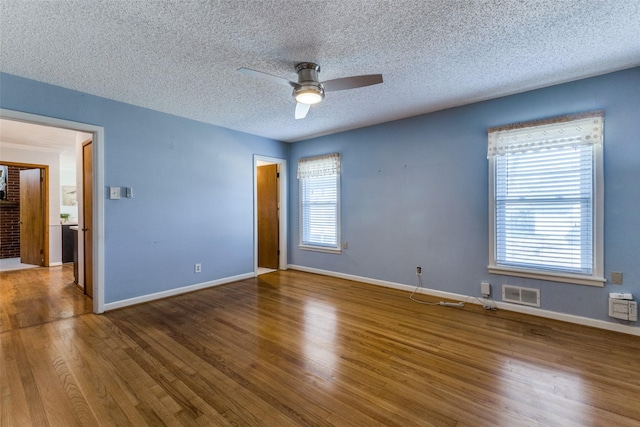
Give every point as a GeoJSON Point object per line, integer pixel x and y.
{"type": "Point", "coordinates": [10, 264]}
{"type": "Point", "coordinates": [40, 295]}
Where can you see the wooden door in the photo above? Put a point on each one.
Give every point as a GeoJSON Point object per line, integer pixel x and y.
{"type": "Point", "coordinates": [32, 210]}
{"type": "Point", "coordinates": [268, 229]}
{"type": "Point", "coordinates": [87, 209]}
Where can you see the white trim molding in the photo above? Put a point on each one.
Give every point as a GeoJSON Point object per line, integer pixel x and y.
{"type": "Point", "coordinates": [578, 320]}
{"type": "Point", "coordinates": [98, 190]}
{"type": "Point", "coordinates": [176, 291]}
{"type": "Point", "coordinates": [283, 196]}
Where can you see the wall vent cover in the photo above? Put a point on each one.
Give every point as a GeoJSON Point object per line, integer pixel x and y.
{"type": "Point", "coordinates": [519, 295]}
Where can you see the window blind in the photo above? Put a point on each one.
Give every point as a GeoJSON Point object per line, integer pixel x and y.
{"type": "Point", "coordinates": [543, 209]}
{"type": "Point", "coordinates": [544, 194]}
{"type": "Point", "coordinates": [319, 201]}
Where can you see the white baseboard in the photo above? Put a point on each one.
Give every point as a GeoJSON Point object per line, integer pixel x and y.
{"type": "Point", "coordinates": [55, 264]}
{"type": "Point", "coordinates": [579, 320]}
{"type": "Point", "coordinates": [177, 291]}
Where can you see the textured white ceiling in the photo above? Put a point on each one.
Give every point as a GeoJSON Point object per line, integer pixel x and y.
{"type": "Point", "coordinates": [181, 57]}
{"type": "Point", "coordinates": [38, 137]}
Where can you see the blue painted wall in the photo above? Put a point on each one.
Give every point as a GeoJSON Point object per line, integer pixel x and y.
{"type": "Point", "coordinates": [414, 193]}
{"type": "Point", "coordinates": [192, 182]}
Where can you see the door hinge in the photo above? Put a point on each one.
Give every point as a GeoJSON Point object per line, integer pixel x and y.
{"type": "Point", "coordinates": [278, 251]}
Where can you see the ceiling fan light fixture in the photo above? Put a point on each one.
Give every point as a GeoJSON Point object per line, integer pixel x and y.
{"type": "Point", "coordinates": [308, 97]}
{"type": "Point", "coordinates": [308, 94]}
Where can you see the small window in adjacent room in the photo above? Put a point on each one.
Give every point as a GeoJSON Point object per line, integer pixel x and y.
{"type": "Point", "coordinates": [546, 199]}
{"type": "Point", "coordinates": [319, 182]}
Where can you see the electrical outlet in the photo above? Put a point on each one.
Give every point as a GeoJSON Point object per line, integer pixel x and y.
{"type": "Point", "coordinates": [418, 270]}
{"type": "Point", "coordinates": [197, 268]}
{"type": "Point", "coordinates": [345, 245]}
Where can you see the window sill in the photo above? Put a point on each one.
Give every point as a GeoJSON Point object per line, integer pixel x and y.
{"type": "Point", "coordinates": [320, 249]}
{"type": "Point", "coordinates": [553, 277]}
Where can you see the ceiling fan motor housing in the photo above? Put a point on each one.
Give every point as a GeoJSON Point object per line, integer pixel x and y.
{"type": "Point", "coordinates": [308, 82]}
{"type": "Point", "coordinates": [307, 72]}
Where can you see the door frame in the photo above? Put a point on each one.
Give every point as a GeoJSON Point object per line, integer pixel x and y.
{"type": "Point", "coordinates": [259, 160]}
{"type": "Point", "coordinates": [98, 190]}
{"type": "Point", "coordinates": [87, 226]}
{"type": "Point", "coordinates": [44, 170]}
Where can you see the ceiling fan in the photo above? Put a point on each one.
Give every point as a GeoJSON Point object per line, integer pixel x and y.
{"type": "Point", "coordinates": [309, 90]}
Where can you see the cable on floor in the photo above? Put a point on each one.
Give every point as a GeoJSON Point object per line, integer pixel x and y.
{"type": "Point", "coordinates": [486, 303]}
{"type": "Point", "coordinates": [416, 289]}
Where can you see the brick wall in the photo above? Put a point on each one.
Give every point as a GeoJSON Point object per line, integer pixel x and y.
{"type": "Point", "coordinates": [10, 216]}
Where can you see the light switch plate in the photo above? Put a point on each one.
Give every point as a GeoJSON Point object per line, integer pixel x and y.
{"type": "Point", "coordinates": [114, 193]}
{"type": "Point", "coordinates": [616, 278]}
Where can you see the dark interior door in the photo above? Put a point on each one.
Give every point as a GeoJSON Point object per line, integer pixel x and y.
{"type": "Point", "coordinates": [268, 229]}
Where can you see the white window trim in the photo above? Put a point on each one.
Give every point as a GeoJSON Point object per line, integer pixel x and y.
{"type": "Point", "coordinates": [320, 249]}
{"type": "Point", "coordinates": [597, 277]}
{"type": "Point", "coordinates": [326, 249]}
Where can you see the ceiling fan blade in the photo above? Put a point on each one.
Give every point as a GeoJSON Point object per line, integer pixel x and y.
{"type": "Point", "coordinates": [302, 110]}
{"type": "Point", "coordinates": [267, 76]}
{"type": "Point", "coordinates": [352, 82]}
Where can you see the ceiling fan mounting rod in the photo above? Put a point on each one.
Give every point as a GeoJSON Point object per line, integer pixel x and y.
{"type": "Point", "coordinates": [307, 72]}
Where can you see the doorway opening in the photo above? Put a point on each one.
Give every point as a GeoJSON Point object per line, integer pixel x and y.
{"type": "Point", "coordinates": [270, 214]}
{"type": "Point", "coordinates": [24, 214]}
{"type": "Point", "coordinates": [96, 135]}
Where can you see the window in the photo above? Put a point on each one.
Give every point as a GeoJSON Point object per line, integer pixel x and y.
{"type": "Point", "coordinates": [546, 199]}
{"type": "Point", "coordinates": [319, 182]}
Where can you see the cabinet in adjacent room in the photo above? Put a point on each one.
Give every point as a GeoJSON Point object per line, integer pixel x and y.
{"type": "Point", "coordinates": [67, 243]}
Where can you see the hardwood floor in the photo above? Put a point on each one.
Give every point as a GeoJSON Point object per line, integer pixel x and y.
{"type": "Point", "coordinates": [291, 348]}
{"type": "Point", "coordinates": [39, 295]}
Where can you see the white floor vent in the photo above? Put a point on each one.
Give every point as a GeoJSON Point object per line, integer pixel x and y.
{"type": "Point", "coordinates": [519, 295]}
